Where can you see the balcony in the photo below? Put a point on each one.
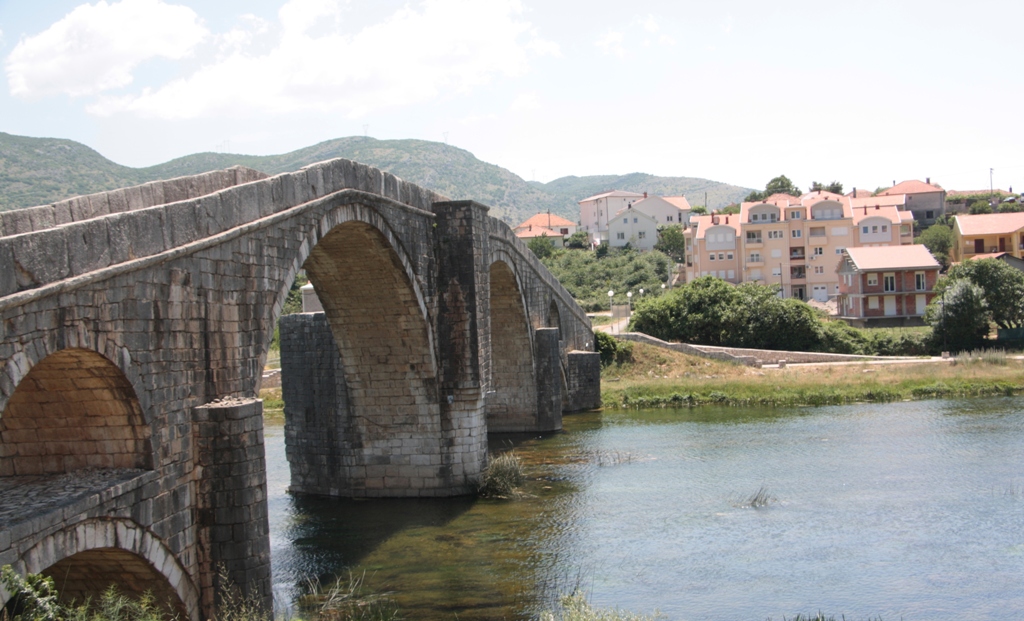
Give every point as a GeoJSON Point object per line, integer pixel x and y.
{"type": "Point", "coordinates": [797, 254]}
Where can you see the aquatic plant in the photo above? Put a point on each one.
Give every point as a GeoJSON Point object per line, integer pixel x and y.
{"type": "Point", "coordinates": [503, 476]}
{"type": "Point", "coordinates": [761, 498]}
{"type": "Point", "coordinates": [575, 607]}
{"type": "Point", "coordinates": [346, 601]}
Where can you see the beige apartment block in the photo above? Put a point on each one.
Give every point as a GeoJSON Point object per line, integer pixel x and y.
{"type": "Point", "coordinates": [795, 242]}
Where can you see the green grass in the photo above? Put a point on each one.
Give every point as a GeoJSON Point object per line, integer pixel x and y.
{"type": "Point", "coordinates": [503, 476]}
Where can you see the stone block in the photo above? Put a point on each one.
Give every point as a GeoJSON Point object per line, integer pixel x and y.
{"type": "Point", "coordinates": [17, 222]}
{"type": "Point", "coordinates": [184, 222]}
{"type": "Point", "coordinates": [88, 246]}
{"type": "Point", "coordinates": [146, 228]}
{"type": "Point", "coordinates": [40, 258]}
{"type": "Point", "coordinates": [117, 201]}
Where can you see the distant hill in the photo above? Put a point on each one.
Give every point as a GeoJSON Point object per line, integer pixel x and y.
{"type": "Point", "coordinates": [37, 171]}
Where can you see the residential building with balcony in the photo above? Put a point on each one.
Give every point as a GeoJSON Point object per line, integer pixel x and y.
{"type": "Point", "coordinates": [797, 242]}
{"type": "Point", "coordinates": [713, 248]}
{"type": "Point", "coordinates": [987, 233]}
{"type": "Point", "coordinates": [886, 285]}
{"type": "Point", "coordinates": [665, 210]}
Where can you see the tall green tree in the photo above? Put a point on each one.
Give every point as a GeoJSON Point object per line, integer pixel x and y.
{"type": "Point", "coordinates": [695, 313]}
{"type": "Point", "coordinates": [938, 239]}
{"type": "Point", "coordinates": [959, 318]}
{"type": "Point", "coordinates": [541, 246]}
{"type": "Point", "coordinates": [672, 241]}
{"type": "Point", "coordinates": [778, 185]}
{"type": "Point", "coordinates": [1002, 287]}
{"type": "Point", "coordinates": [835, 187]}
{"type": "Point", "coordinates": [760, 319]}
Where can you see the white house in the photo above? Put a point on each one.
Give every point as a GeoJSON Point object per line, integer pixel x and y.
{"type": "Point", "coordinates": [665, 210]}
{"type": "Point", "coordinates": [633, 227]}
{"type": "Point", "coordinates": [597, 210]}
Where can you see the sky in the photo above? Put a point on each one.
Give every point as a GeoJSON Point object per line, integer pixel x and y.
{"type": "Point", "coordinates": [736, 91]}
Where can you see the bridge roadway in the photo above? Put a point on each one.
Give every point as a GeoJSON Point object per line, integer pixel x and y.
{"type": "Point", "coordinates": [136, 324]}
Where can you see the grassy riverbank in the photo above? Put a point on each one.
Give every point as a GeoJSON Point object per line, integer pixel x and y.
{"type": "Point", "coordinates": [660, 378]}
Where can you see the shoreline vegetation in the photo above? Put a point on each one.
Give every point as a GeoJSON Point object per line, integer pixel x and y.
{"type": "Point", "coordinates": [651, 377]}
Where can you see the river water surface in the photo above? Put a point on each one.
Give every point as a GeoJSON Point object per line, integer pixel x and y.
{"type": "Point", "coordinates": [911, 510]}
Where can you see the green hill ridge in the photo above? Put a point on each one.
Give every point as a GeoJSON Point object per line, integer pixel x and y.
{"type": "Point", "coordinates": [39, 171]}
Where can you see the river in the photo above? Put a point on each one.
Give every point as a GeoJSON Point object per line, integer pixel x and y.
{"type": "Point", "coordinates": [911, 510]}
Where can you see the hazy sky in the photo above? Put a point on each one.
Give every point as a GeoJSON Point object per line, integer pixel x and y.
{"type": "Point", "coordinates": [860, 92]}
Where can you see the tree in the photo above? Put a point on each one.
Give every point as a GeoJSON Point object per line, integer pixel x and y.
{"type": "Point", "coordinates": [672, 241]}
{"type": "Point", "coordinates": [959, 318]}
{"type": "Point", "coordinates": [778, 185]}
{"type": "Point", "coordinates": [541, 246]}
{"type": "Point", "coordinates": [1002, 287]}
{"type": "Point", "coordinates": [760, 319]}
{"type": "Point", "coordinates": [699, 210]}
{"type": "Point", "coordinates": [579, 240]}
{"type": "Point", "coordinates": [730, 209]}
{"type": "Point", "coordinates": [835, 187]}
{"type": "Point", "coordinates": [980, 206]}
{"type": "Point", "coordinates": [694, 313]}
{"type": "Point", "coordinates": [938, 239]}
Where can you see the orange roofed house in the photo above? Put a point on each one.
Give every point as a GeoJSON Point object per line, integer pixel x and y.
{"type": "Point", "coordinates": [925, 200]}
{"type": "Point", "coordinates": [886, 285]}
{"type": "Point", "coordinates": [987, 233]}
{"type": "Point", "coordinates": [545, 224]}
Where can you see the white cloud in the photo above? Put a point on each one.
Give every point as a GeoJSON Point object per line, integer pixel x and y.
{"type": "Point", "coordinates": [525, 102]}
{"type": "Point", "coordinates": [611, 44]}
{"type": "Point", "coordinates": [419, 53]}
{"type": "Point", "coordinates": [95, 48]}
{"type": "Point", "coordinates": [649, 23]}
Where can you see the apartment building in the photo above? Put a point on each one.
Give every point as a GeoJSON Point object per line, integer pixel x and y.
{"type": "Point", "coordinates": [634, 227]}
{"type": "Point", "coordinates": [886, 285]}
{"type": "Point", "coordinates": [925, 200]}
{"type": "Point", "coordinates": [795, 242]}
{"type": "Point", "coordinates": [596, 211]}
{"type": "Point", "coordinates": [987, 233]}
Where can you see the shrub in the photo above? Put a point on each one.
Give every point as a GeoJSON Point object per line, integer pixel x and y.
{"type": "Point", "coordinates": [613, 350]}
{"type": "Point", "coordinates": [503, 476]}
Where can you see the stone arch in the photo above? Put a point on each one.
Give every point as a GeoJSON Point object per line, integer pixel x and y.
{"type": "Point", "coordinates": [378, 318]}
{"type": "Point", "coordinates": [84, 559]}
{"type": "Point", "coordinates": [512, 398]}
{"type": "Point", "coordinates": [73, 410]}
{"type": "Point", "coordinates": [555, 318]}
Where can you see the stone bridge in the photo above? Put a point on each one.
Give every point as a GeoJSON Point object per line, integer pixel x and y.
{"type": "Point", "coordinates": [136, 325]}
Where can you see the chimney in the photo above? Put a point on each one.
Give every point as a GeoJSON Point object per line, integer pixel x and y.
{"type": "Point", "coordinates": [877, 207]}
{"type": "Point", "coordinates": [855, 191]}
{"type": "Point", "coordinates": [928, 180]}
{"type": "Point", "coordinates": [645, 194]}
{"type": "Point", "coordinates": [727, 219]}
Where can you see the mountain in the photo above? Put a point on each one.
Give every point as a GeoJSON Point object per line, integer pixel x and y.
{"type": "Point", "coordinates": [36, 171]}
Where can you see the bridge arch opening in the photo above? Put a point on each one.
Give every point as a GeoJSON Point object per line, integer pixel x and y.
{"type": "Point", "coordinates": [379, 324]}
{"type": "Point", "coordinates": [88, 557]}
{"type": "Point", "coordinates": [73, 410]}
{"type": "Point", "coordinates": [512, 402]}
{"type": "Point", "coordinates": [555, 318]}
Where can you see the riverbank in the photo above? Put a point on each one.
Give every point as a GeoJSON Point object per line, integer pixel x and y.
{"type": "Point", "coordinates": [661, 378]}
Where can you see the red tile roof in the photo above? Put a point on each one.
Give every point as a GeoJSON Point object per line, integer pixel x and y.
{"type": "Point", "coordinates": [877, 258]}
{"type": "Point", "coordinates": [544, 219]}
{"type": "Point", "coordinates": [912, 186]}
{"type": "Point", "coordinates": [537, 231]}
{"type": "Point", "coordinates": [990, 223]}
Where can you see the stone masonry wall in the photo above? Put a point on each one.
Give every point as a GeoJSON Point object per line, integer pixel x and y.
{"type": "Point", "coordinates": [583, 381]}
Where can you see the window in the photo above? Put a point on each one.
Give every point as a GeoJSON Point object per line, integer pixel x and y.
{"type": "Point", "coordinates": [625, 220]}
{"type": "Point", "coordinates": [798, 233]}
{"type": "Point", "coordinates": [641, 234]}
{"type": "Point", "coordinates": [728, 255]}
{"type": "Point", "coordinates": [721, 256]}
{"type": "Point", "coordinates": [874, 229]}
{"type": "Point", "coordinates": [668, 218]}
{"type": "Point", "coordinates": [564, 231]}
{"type": "Point", "coordinates": [755, 257]}
{"type": "Point", "coordinates": [711, 256]}
{"type": "Point", "coordinates": [929, 215]}
{"type": "Point", "coordinates": [732, 274]}
{"type": "Point", "coordinates": [818, 251]}
{"type": "Point", "coordinates": [840, 230]}
{"type": "Point", "coordinates": [775, 235]}
{"type": "Point", "coordinates": [872, 280]}
{"type": "Point", "coordinates": [620, 236]}
{"type": "Point", "coordinates": [794, 215]}
{"type": "Point", "coordinates": [818, 231]}
{"type": "Point", "coordinates": [889, 282]}
{"type": "Point", "coordinates": [865, 230]}
{"type": "Point", "coordinates": [840, 250]}
{"type": "Point", "coordinates": [776, 253]}
{"type": "Point", "coordinates": [885, 228]}
{"type": "Point", "coordinates": [634, 220]}
{"type": "Point", "coordinates": [919, 282]}
{"type": "Point", "coordinates": [776, 271]}
{"type": "Point", "coordinates": [873, 302]}
{"type": "Point", "coordinates": [753, 237]}
{"type": "Point", "coordinates": [819, 269]}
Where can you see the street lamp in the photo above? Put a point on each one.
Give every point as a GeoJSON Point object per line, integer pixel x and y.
{"type": "Point", "coordinates": [611, 294]}
{"type": "Point", "coordinates": [641, 293]}
{"type": "Point", "coordinates": [629, 295]}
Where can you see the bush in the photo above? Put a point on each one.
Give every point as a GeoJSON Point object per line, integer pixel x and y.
{"type": "Point", "coordinates": [613, 350]}
{"type": "Point", "coordinates": [959, 319]}
{"type": "Point", "coordinates": [503, 476]}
